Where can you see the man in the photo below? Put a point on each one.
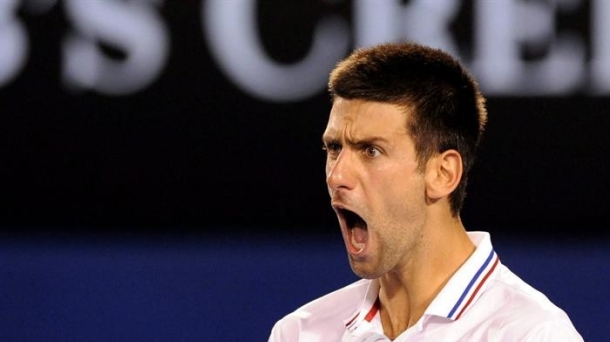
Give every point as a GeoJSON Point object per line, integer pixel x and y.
{"type": "Point", "coordinates": [405, 124]}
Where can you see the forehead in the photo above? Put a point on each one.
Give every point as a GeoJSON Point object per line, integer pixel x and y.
{"type": "Point", "coordinates": [359, 119]}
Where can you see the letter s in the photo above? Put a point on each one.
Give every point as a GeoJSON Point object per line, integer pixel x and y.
{"type": "Point", "coordinates": [130, 26]}
{"type": "Point", "coordinates": [13, 42]}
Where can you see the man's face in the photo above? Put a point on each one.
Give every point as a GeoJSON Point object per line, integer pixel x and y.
{"type": "Point", "coordinates": [375, 188]}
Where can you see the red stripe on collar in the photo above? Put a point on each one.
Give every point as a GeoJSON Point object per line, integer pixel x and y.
{"type": "Point", "coordinates": [474, 293]}
{"type": "Point", "coordinates": [369, 316]}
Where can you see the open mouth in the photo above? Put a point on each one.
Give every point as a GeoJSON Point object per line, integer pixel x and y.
{"type": "Point", "coordinates": [356, 232]}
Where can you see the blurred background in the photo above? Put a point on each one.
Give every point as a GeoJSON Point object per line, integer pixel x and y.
{"type": "Point", "coordinates": [163, 177]}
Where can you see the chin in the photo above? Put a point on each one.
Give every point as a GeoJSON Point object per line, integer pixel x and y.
{"type": "Point", "coordinates": [363, 272]}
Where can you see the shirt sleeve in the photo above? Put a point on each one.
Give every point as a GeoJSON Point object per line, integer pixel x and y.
{"type": "Point", "coordinates": [284, 331]}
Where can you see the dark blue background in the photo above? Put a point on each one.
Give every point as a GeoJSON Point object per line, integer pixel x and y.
{"type": "Point", "coordinates": [231, 288]}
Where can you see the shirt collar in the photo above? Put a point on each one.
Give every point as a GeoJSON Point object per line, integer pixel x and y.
{"type": "Point", "coordinates": [468, 282]}
{"type": "Point", "coordinates": [367, 309]}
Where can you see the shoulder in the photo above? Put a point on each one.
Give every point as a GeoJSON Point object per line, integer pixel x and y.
{"type": "Point", "coordinates": [519, 295]}
{"type": "Point", "coordinates": [326, 314]}
{"type": "Point", "coordinates": [521, 308]}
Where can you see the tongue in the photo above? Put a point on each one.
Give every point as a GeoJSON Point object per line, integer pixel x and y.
{"type": "Point", "coordinates": [360, 236]}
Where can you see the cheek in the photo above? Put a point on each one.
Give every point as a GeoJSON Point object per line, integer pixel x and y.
{"type": "Point", "coordinates": [405, 195]}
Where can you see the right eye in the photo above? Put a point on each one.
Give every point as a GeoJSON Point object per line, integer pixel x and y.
{"type": "Point", "coordinates": [332, 148]}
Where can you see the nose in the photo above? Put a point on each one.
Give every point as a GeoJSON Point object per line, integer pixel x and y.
{"type": "Point", "coordinates": [340, 171]}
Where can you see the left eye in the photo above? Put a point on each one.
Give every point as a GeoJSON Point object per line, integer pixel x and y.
{"type": "Point", "coordinates": [371, 151]}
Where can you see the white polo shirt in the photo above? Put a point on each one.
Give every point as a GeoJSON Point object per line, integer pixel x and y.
{"type": "Point", "coordinates": [483, 301]}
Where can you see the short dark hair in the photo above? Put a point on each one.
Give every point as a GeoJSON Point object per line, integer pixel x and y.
{"type": "Point", "coordinates": [447, 106]}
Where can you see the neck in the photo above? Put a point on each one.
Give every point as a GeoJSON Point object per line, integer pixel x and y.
{"type": "Point", "coordinates": [407, 291]}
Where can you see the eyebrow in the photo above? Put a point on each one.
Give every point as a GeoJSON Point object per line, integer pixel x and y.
{"type": "Point", "coordinates": [357, 142]}
{"type": "Point", "coordinates": [374, 140]}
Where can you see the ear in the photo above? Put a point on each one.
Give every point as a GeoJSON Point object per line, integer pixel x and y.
{"type": "Point", "coordinates": [443, 174]}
